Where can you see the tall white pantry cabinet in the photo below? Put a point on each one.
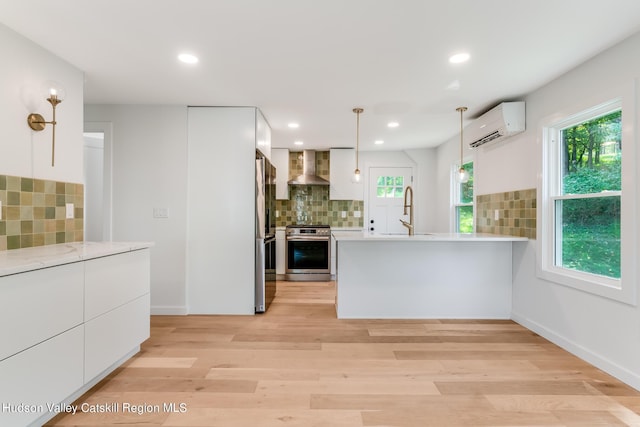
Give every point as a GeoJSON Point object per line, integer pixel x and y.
{"type": "Point", "coordinates": [221, 208]}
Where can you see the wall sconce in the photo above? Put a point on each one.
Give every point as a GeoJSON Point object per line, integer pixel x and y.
{"type": "Point", "coordinates": [356, 172]}
{"type": "Point", "coordinates": [55, 95]}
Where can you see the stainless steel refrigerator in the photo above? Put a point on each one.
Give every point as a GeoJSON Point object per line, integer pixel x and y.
{"type": "Point", "coordinates": [265, 233]}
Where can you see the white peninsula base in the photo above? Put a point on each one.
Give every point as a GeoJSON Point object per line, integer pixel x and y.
{"type": "Point", "coordinates": [423, 277]}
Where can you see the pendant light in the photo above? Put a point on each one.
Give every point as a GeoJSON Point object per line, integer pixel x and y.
{"type": "Point", "coordinates": [463, 175]}
{"type": "Point", "coordinates": [356, 173]}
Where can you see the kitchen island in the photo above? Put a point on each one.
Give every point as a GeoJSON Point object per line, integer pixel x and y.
{"type": "Point", "coordinates": [439, 276]}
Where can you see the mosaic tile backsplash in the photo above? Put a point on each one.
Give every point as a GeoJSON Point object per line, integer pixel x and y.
{"type": "Point", "coordinates": [516, 210]}
{"type": "Point", "coordinates": [34, 211]}
{"type": "Point", "coordinates": [310, 204]}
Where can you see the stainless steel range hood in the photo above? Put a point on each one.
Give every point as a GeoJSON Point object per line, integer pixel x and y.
{"type": "Point", "coordinates": [308, 176]}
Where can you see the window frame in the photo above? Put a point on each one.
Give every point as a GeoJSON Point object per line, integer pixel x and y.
{"type": "Point", "coordinates": [456, 196]}
{"type": "Point", "coordinates": [550, 190]}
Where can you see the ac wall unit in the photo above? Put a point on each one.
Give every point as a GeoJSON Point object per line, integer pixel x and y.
{"type": "Point", "coordinates": [500, 122]}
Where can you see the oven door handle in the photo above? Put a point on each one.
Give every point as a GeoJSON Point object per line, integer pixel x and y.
{"type": "Point", "coordinates": [316, 238]}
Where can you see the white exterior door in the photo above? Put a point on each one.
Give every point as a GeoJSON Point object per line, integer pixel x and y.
{"type": "Point", "coordinates": [386, 199]}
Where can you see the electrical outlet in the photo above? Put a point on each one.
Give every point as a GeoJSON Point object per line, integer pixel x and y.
{"type": "Point", "coordinates": [343, 214]}
{"type": "Point", "coordinates": [496, 214]}
{"type": "Point", "coordinates": [0, 209]}
{"type": "Point", "coordinates": [356, 214]}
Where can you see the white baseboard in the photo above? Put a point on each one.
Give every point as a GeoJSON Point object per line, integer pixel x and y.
{"type": "Point", "coordinates": [621, 373]}
{"type": "Point", "coordinates": [169, 310]}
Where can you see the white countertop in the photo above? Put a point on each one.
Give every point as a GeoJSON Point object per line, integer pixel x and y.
{"type": "Point", "coordinates": [28, 259]}
{"type": "Point", "coordinates": [427, 237]}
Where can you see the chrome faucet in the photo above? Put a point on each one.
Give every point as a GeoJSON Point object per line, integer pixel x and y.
{"type": "Point", "coordinates": [409, 224]}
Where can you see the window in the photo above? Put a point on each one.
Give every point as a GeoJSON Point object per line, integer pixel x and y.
{"type": "Point", "coordinates": [463, 202]}
{"type": "Point", "coordinates": [390, 187]}
{"type": "Point", "coordinates": [582, 215]}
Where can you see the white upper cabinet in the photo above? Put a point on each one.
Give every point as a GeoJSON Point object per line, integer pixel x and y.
{"type": "Point", "coordinates": [342, 164]}
{"type": "Point", "coordinates": [263, 135]}
{"type": "Point", "coordinates": [280, 159]}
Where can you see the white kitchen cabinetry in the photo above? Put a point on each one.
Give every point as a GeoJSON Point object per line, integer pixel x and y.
{"type": "Point", "coordinates": [68, 321]}
{"type": "Point", "coordinates": [54, 294]}
{"type": "Point", "coordinates": [44, 374]}
{"type": "Point", "coordinates": [116, 308]}
{"type": "Point", "coordinates": [263, 135]}
{"type": "Point", "coordinates": [280, 159]}
{"type": "Point", "coordinates": [281, 252]}
{"type": "Point", "coordinates": [221, 210]}
{"type": "Point", "coordinates": [341, 167]}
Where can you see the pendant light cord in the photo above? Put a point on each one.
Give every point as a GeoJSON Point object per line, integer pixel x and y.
{"type": "Point", "coordinates": [357, 110]}
{"type": "Point", "coordinates": [461, 109]}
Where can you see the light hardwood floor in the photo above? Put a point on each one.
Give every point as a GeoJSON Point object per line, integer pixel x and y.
{"type": "Point", "coordinates": [297, 365]}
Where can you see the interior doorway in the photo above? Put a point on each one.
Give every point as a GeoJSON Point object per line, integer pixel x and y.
{"type": "Point", "coordinates": [97, 182]}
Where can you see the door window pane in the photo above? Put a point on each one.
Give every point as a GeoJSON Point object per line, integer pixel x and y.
{"type": "Point", "coordinates": [390, 186]}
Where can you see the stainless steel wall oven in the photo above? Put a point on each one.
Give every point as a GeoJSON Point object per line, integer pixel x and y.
{"type": "Point", "coordinates": [308, 253]}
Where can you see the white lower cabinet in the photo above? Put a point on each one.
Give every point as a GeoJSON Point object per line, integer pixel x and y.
{"type": "Point", "coordinates": [37, 305]}
{"type": "Point", "coordinates": [111, 336]}
{"type": "Point", "coordinates": [67, 326]}
{"type": "Point", "coordinates": [39, 376]}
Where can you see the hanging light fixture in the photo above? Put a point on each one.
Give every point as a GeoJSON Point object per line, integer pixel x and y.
{"type": "Point", "coordinates": [356, 173]}
{"type": "Point", "coordinates": [463, 175]}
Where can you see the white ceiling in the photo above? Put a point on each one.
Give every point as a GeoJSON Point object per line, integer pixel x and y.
{"type": "Point", "coordinates": [312, 61]}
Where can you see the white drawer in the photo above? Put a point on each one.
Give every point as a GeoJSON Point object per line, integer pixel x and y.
{"type": "Point", "coordinates": [114, 334]}
{"type": "Point", "coordinates": [115, 280]}
{"type": "Point", "coordinates": [44, 374]}
{"type": "Point", "coordinates": [37, 305]}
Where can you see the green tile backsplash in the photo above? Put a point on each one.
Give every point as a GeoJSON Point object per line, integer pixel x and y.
{"type": "Point", "coordinates": [516, 211]}
{"type": "Point", "coordinates": [33, 212]}
{"type": "Point", "coordinates": [309, 204]}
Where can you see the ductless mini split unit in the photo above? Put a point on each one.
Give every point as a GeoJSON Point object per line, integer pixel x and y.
{"type": "Point", "coordinates": [502, 121]}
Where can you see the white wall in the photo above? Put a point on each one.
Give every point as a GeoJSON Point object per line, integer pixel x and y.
{"type": "Point", "coordinates": [23, 152]}
{"type": "Point", "coordinates": [150, 171]}
{"type": "Point", "coordinates": [602, 331]}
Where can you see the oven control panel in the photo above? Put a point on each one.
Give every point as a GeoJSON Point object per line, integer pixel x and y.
{"type": "Point", "coordinates": [308, 231]}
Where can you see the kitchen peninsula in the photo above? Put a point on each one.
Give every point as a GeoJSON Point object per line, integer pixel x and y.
{"type": "Point", "coordinates": [72, 313]}
{"type": "Point", "coordinates": [439, 276]}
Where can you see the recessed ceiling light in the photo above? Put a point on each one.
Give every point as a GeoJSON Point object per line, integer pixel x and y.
{"type": "Point", "coordinates": [293, 125]}
{"type": "Point", "coordinates": [298, 143]}
{"type": "Point", "coordinates": [393, 124]}
{"type": "Point", "coordinates": [459, 58]}
{"type": "Point", "coordinates": [379, 142]}
{"type": "Point", "coordinates": [188, 58]}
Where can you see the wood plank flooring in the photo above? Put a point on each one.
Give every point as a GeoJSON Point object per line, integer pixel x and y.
{"type": "Point", "coordinates": [297, 365]}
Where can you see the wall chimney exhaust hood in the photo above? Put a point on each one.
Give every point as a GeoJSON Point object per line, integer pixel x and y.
{"type": "Point", "coordinates": [308, 176]}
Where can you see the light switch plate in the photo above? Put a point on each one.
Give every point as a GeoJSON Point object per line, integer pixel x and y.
{"type": "Point", "coordinates": [161, 212]}
{"type": "Point", "coordinates": [69, 211]}
{"type": "Point", "coordinates": [0, 209]}
{"type": "Point", "coordinates": [343, 214]}
{"type": "Point", "coordinates": [496, 214]}
{"type": "Point", "coordinates": [356, 214]}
